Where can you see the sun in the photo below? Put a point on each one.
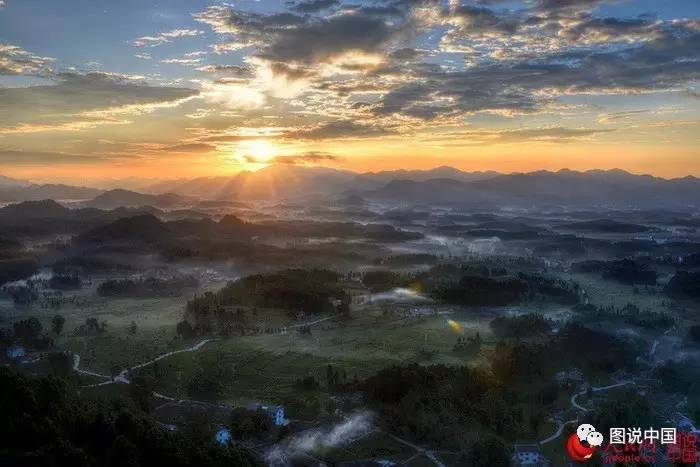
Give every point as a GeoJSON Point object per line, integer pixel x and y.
{"type": "Point", "coordinates": [258, 151]}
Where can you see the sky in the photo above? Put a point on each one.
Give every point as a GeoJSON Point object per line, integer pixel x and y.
{"type": "Point", "coordinates": [98, 89]}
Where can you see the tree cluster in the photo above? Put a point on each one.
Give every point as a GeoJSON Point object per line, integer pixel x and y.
{"type": "Point", "coordinates": [45, 423]}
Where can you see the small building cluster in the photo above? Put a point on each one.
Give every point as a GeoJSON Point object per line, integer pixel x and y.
{"type": "Point", "coordinates": [275, 412]}
{"type": "Point", "coordinates": [529, 455]}
{"type": "Point", "coordinates": [573, 377]}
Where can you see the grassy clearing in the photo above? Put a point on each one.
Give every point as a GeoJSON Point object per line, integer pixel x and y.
{"type": "Point", "coordinates": [377, 445]}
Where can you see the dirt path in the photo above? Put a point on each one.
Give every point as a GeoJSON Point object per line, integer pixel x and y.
{"type": "Point", "coordinates": [426, 452]}
{"type": "Point", "coordinates": [122, 377]}
{"type": "Point", "coordinates": [557, 433]}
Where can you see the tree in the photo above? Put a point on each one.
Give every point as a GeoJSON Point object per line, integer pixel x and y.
{"type": "Point", "coordinates": [694, 332]}
{"type": "Point", "coordinates": [308, 383]}
{"type": "Point", "coordinates": [46, 422]}
{"type": "Point", "coordinates": [140, 390]}
{"type": "Point", "coordinates": [61, 363]}
{"type": "Point", "coordinates": [57, 324]}
{"type": "Point", "coordinates": [486, 452]}
{"type": "Point", "coordinates": [185, 330]}
{"type": "Point", "coordinates": [331, 377]}
{"type": "Point", "coordinates": [249, 423]}
{"type": "Point", "coordinates": [27, 329]}
{"type": "Point", "coordinates": [344, 307]}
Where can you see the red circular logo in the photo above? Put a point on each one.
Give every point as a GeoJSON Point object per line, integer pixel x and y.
{"type": "Point", "coordinates": [577, 450]}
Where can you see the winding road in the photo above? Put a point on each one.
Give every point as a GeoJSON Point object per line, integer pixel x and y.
{"type": "Point", "coordinates": [122, 377]}
{"type": "Point", "coordinates": [597, 389]}
{"type": "Point", "coordinates": [426, 452]}
{"type": "Point", "coordinates": [574, 397]}
{"type": "Point", "coordinates": [557, 433]}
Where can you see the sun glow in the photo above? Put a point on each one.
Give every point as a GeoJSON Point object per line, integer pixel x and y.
{"type": "Point", "coordinates": [258, 151]}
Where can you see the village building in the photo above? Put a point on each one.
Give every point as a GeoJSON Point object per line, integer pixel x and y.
{"type": "Point", "coordinates": [275, 412]}
{"type": "Point", "coordinates": [15, 352]}
{"type": "Point", "coordinates": [529, 455]}
{"type": "Point", "coordinates": [223, 436]}
{"type": "Point", "coordinates": [572, 377]}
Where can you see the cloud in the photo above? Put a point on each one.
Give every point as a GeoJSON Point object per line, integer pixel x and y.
{"type": "Point", "coordinates": [406, 54]}
{"type": "Point", "coordinates": [190, 147]}
{"type": "Point", "coordinates": [473, 20]}
{"type": "Point", "coordinates": [314, 6]}
{"type": "Point", "coordinates": [76, 101]}
{"type": "Point", "coordinates": [522, 135]}
{"type": "Point", "coordinates": [667, 62]}
{"type": "Point", "coordinates": [339, 130]}
{"type": "Point", "coordinates": [182, 61]}
{"type": "Point", "coordinates": [288, 37]}
{"type": "Point", "coordinates": [14, 157]}
{"type": "Point", "coordinates": [165, 37]}
{"type": "Point", "coordinates": [17, 61]}
{"type": "Point", "coordinates": [615, 117]}
{"type": "Point", "coordinates": [308, 158]}
{"type": "Point", "coordinates": [517, 61]}
{"type": "Point", "coordinates": [240, 71]}
{"type": "Point", "coordinates": [570, 5]}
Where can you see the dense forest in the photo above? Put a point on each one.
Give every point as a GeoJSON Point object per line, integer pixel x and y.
{"type": "Point", "coordinates": [624, 271]}
{"type": "Point", "coordinates": [505, 401]}
{"type": "Point", "coordinates": [46, 423]}
{"type": "Point", "coordinates": [684, 285]}
{"type": "Point", "coordinates": [146, 287]}
{"type": "Point", "coordinates": [294, 290]}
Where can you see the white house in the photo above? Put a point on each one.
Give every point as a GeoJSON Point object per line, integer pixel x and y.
{"type": "Point", "coordinates": [275, 412]}
{"type": "Point", "coordinates": [223, 436]}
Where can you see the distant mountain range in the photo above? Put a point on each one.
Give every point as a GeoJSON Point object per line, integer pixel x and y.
{"type": "Point", "coordinates": [444, 171]}
{"type": "Point", "coordinates": [290, 181]}
{"type": "Point", "coordinates": [7, 182]}
{"type": "Point", "coordinates": [442, 185]}
{"type": "Point", "coordinates": [612, 188]}
{"type": "Point", "coordinates": [113, 199]}
{"type": "Point", "coordinates": [48, 216]}
{"type": "Point", "coordinates": [25, 191]}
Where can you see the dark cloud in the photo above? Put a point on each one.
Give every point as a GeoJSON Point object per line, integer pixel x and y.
{"type": "Point", "coordinates": [666, 62]}
{"type": "Point", "coordinates": [15, 157]}
{"type": "Point", "coordinates": [307, 158]}
{"type": "Point", "coordinates": [314, 6]}
{"type": "Point", "coordinates": [288, 37]}
{"type": "Point", "coordinates": [75, 95]}
{"type": "Point", "coordinates": [292, 72]}
{"type": "Point", "coordinates": [190, 147]}
{"type": "Point", "coordinates": [338, 130]}
{"type": "Point", "coordinates": [480, 19]}
{"type": "Point", "coordinates": [557, 5]}
{"type": "Point", "coordinates": [610, 29]}
{"type": "Point", "coordinates": [241, 71]}
{"type": "Point", "coordinates": [406, 54]}
{"type": "Point", "coordinates": [517, 61]}
{"type": "Point", "coordinates": [325, 38]}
